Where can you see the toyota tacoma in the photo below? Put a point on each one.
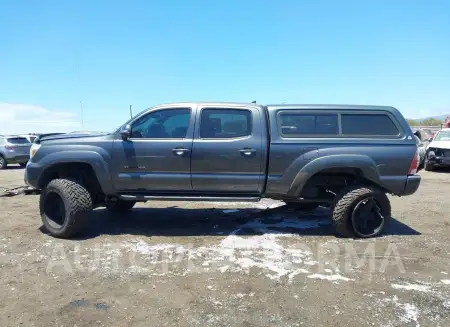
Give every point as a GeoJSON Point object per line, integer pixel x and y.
{"type": "Point", "coordinates": [345, 157]}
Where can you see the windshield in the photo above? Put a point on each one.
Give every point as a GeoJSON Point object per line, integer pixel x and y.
{"type": "Point", "coordinates": [442, 136]}
{"type": "Point", "coordinates": [17, 140]}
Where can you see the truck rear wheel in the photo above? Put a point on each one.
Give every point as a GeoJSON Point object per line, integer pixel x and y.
{"type": "Point", "coordinates": [64, 206]}
{"type": "Point", "coordinates": [361, 211]}
{"type": "Point", "coordinates": [120, 206]}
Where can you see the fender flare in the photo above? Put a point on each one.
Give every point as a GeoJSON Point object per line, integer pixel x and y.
{"type": "Point", "coordinates": [92, 158]}
{"type": "Point", "coordinates": [362, 162]}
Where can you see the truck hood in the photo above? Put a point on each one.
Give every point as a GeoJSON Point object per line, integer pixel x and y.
{"type": "Point", "coordinates": [439, 145]}
{"type": "Point", "coordinates": [70, 136]}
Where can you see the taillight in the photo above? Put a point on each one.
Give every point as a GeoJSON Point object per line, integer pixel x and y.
{"type": "Point", "coordinates": [414, 164]}
{"type": "Point", "coordinates": [9, 147]}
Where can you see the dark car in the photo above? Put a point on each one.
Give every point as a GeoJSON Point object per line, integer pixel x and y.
{"type": "Point", "coordinates": [344, 157]}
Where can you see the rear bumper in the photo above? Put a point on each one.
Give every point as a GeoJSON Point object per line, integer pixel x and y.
{"type": "Point", "coordinates": [412, 184]}
{"type": "Point", "coordinates": [17, 159]}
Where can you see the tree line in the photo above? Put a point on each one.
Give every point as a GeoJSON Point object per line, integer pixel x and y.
{"type": "Point", "coordinates": [425, 122]}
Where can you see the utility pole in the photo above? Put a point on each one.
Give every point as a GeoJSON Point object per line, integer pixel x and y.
{"type": "Point", "coordinates": [131, 113]}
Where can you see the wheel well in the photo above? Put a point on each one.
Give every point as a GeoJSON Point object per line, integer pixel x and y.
{"type": "Point", "coordinates": [332, 180]}
{"type": "Point", "coordinates": [78, 171]}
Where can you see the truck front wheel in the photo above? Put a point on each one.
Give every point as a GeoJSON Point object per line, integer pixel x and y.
{"type": "Point", "coordinates": [361, 211]}
{"type": "Point", "coordinates": [65, 207]}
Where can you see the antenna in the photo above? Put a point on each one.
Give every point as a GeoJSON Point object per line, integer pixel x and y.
{"type": "Point", "coordinates": [81, 114]}
{"type": "Point", "coordinates": [77, 67]}
{"type": "Point", "coordinates": [131, 112]}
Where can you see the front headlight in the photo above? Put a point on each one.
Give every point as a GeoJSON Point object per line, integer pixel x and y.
{"type": "Point", "coordinates": [436, 151]}
{"type": "Point", "coordinates": [34, 149]}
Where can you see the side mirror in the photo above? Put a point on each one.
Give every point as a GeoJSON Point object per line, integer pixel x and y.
{"type": "Point", "coordinates": [125, 132]}
{"type": "Point", "coordinates": [430, 139]}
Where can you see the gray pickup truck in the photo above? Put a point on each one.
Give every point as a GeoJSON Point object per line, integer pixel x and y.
{"type": "Point", "coordinates": [344, 157]}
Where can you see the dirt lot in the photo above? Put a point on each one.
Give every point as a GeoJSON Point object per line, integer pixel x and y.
{"type": "Point", "coordinates": [213, 264]}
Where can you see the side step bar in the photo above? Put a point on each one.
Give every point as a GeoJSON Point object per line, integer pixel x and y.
{"type": "Point", "coordinates": [187, 198]}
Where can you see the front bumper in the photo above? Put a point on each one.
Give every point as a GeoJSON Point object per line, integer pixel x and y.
{"type": "Point", "coordinates": [439, 161]}
{"type": "Point", "coordinates": [412, 184]}
{"type": "Point", "coordinates": [32, 174]}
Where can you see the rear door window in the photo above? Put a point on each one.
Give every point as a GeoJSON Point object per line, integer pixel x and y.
{"type": "Point", "coordinates": [298, 124]}
{"type": "Point", "coordinates": [225, 123]}
{"type": "Point", "coordinates": [368, 124]}
{"type": "Point", "coordinates": [17, 140]}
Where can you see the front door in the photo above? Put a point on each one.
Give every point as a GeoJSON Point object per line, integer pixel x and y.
{"type": "Point", "coordinates": [228, 153]}
{"type": "Point", "coordinates": [157, 157]}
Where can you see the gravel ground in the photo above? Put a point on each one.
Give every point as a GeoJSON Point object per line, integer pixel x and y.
{"type": "Point", "coordinates": [226, 264]}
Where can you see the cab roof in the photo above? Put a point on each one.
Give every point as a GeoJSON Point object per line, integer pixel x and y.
{"type": "Point", "coordinates": [280, 106]}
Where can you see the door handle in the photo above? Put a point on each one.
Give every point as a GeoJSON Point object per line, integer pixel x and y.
{"type": "Point", "coordinates": [180, 151]}
{"type": "Point", "coordinates": [247, 152]}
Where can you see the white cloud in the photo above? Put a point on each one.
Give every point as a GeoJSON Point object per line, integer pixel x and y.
{"type": "Point", "coordinates": [25, 118]}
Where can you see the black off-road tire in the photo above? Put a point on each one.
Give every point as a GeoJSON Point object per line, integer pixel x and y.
{"type": "Point", "coordinates": [427, 166]}
{"type": "Point", "coordinates": [3, 162]}
{"type": "Point", "coordinates": [120, 206]}
{"type": "Point", "coordinates": [345, 202]}
{"type": "Point", "coordinates": [77, 206]}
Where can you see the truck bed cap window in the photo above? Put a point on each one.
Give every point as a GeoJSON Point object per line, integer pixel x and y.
{"type": "Point", "coordinates": [297, 124]}
{"type": "Point", "coordinates": [368, 124]}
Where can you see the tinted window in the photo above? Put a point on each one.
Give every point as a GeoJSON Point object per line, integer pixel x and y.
{"type": "Point", "coordinates": [167, 123]}
{"type": "Point", "coordinates": [17, 140]}
{"type": "Point", "coordinates": [368, 124]}
{"type": "Point", "coordinates": [225, 123]}
{"type": "Point", "coordinates": [296, 124]}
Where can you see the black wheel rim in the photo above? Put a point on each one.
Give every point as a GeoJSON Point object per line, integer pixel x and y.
{"type": "Point", "coordinates": [367, 219]}
{"type": "Point", "coordinates": [54, 210]}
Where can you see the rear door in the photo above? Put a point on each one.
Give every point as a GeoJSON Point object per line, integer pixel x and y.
{"type": "Point", "coordinates": [157, 157]}
{"type": "Point", "coordinates": [229, 150]}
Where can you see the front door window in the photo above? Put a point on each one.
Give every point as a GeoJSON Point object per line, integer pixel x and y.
{"type": "Point", "coordinates": [162, 124]}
